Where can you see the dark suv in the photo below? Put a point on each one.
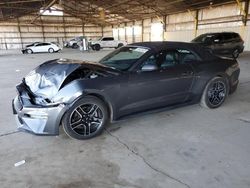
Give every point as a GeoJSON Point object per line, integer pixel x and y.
{"type": "Point", "coordinates": [225, 43]}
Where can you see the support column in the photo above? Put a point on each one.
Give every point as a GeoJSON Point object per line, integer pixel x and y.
{"type": "Point", "coordinates": [165, 28]}
{"type": "Point", "coordinates": [125, 32]}
{"type": "Point", "coordinates": [64, 32]}
{"type": "Point", "coordinates": [196, 22]}
{"type": "Point", "coordinates": [102, 32]}
{"type": "Point", "coordinates": [246, 12]}
{"type": "Point", "coordinates": [42, 28]}
{"type": "Point", "coordinates": [20, 32]}
{"type": "Point", "coordinates": [83, 28]}
{"type": "Point", "coordinates": [142, 30]}
{"type": "Point", "coordinates": [150, 37]}
{"type": "Point", "coordinates": [133, 32]}
{"type": "Point", "coordinates": [118, 32]}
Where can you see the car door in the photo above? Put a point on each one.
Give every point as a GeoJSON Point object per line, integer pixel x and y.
{"type": "Point", "coordinates": [111, 42]}
{"type": "Point", "coordinates": [45, 47]}
{"type": "Point", "coordinates": [219, 45]}
{"type": "Point", "coordinates": [168, 85]}
{"type": "Point", "coordinates": [37, 47]}
{"type": "Point", "coordinates": [227, 43]}
{"type": "Point", "coordinates": [103, 42]}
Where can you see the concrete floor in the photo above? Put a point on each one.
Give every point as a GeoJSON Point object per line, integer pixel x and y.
{"type": "Point", "coordinates": [189, 147]}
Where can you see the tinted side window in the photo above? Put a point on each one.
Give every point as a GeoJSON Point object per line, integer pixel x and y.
{"type": "Point", "coordinates": [40, 44]}
{"type": "Point", "coordinates": [108, 39]}
{"type": "Point", "coordinates": [186, 56]}
{"type": "Point", "coordinates": [218, 38]}
{"type": "Point", "coordinates": [235, 36]}
{"type": "Point", "coordinates": [150, 61]}
{"type": "Point", "coordinates": [227, 36]}
{"type": "Point", "coordinates": [170, 58]}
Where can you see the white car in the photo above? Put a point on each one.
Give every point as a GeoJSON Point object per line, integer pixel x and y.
{"type": "Point", "coordinates": [42, 47]}
{"type": "Point", "coordinates": [107, 42]}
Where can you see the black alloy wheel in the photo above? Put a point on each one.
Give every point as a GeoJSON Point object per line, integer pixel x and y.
{"type": "Point", "coordinates": [215, 93]}
{"type": "Point", "coordinates": [86, 118]}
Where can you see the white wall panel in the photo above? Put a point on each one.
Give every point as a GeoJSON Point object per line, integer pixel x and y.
{"type": "Point", "coordinates": [184, 36]}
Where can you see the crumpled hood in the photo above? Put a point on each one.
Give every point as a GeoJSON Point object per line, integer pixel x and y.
{"type": "Point", "coordinates": [45, 80]}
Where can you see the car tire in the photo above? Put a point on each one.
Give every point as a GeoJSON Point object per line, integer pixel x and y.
{"type": "Point", "coordinates": [86, 118]}
{"type": "Point", "coordinates": [215, 93]}
{"type": "Point", "coordinates": [93, 47]}
{"type": "Point", "coordinates": [119, 45]}
{"type": "Point", "coordinates": [75, 46]}
{"type": "Point", "coordinates": [236, 53]}
{"type": "Point", "coordinates": [51, 50]}
{"type": "Point", "coordinates": [97, 47]}
{"type": "Point", "coordinates": [29, 51]}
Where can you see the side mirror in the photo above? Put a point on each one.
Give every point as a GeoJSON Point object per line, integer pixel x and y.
{"type": "Point", "coordinates": [149, 68]}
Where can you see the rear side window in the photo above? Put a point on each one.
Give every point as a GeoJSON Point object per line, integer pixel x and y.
{"type": "Point", "coordinates": [204, 38]}
{"type": "Point", "coordinates": [235, 35]}
{"type": "Point", "coordinates": [40, 44]}
{"type": "Point", "coordinates": [108, 39]}
{"type": "Point", "coordinates": [170, 58]}
{"type": "Point", "coordinates": [218, 38]}
{"type": "Point", "coordinates": [228, 36]}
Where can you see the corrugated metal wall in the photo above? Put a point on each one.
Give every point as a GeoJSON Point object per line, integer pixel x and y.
{"type": "Point", "coordinates": [181, 27]}
{"type": "Point", "coordinates": [177, 27]}
{"type": "Point", "coordinates": [17, 33]}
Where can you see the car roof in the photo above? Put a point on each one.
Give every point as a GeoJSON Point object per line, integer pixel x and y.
{"type": "Point", "coordinates": [161, 45]}
{"type": "Point", "coordinates": [167, 44]}
{"type": "Point", "coordinates": [216, 33]}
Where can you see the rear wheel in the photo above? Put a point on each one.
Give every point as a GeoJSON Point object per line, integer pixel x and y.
{"type": "Point", "coordinates": [86, 118]}
{"type": "Point", "coordinates": [215, 93]}
{"type": "Point", "coordinates": [119, 45]}
{"type": "Point", "coordinates": [51, 50]}
{"type": "Point", "coordinates": [236, 53]}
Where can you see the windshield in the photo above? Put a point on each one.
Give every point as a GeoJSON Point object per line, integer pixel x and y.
{"type": "Point", "coordinates": [123, 58]}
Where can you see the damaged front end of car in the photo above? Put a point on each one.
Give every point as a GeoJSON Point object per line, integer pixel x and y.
{"type": "Point", "coordinates": [47, 92]}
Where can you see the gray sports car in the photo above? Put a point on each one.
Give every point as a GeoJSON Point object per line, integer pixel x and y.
{"type": "Point", "coordinates": [84, 96]}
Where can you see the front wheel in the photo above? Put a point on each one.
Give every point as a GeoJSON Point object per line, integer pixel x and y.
{"type": "Point", "coordinates": [29, 51]}
{"type": "Point", "coordinates": [97, 47]}
{"type": "Point", "coordinates": [86, 118]}
{"type": "Point", "coordinates": [215, 93]}
{"type": "Point", "coordinates": [75, 46]}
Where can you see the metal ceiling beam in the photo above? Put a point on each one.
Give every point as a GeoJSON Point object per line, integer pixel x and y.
{"type": "Point", "coordinates": [48, 6]}
{"type": "Point", "coordinates": [17, 2]}
{"type": "Point", "coordinates": [15, 7]}
{"type": "Point", "coordinates": [156, 9]}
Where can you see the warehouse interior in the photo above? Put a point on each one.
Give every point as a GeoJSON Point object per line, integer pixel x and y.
{"type": "Point", "coordinates": [23, 22]}
{"type": "Point", "coordinates": [188, 147]}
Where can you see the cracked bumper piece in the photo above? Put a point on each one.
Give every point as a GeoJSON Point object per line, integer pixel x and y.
{"type": "Point", "coordinates": [37, 120]}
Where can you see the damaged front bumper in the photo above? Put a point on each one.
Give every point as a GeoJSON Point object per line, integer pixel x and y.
{"type": "Point", "coordinates": [41, 120]}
